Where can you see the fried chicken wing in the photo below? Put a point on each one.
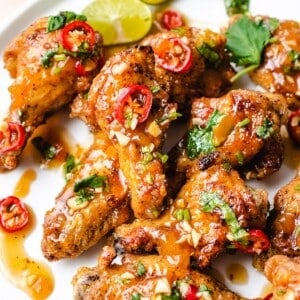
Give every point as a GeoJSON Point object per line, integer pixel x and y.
{"type": "Point", "coordinates": [135, 96]}
{"type": "Point", "coordinates": [145, 277]}
{"type": "Point", "coordinates": [240, 129]}
{"type": "Point", "coordinates": [279, 70]}
{"type": "Point", "coordinates": [94, 201]}
{"type": "Point", "coordinates": [285, 219]}
{"type": "Point", "coordinates": [49, 70]}
{"type": "Point", "coordinates": [212, 210]}
{"type": "Point", "coordinates": [284, 274]}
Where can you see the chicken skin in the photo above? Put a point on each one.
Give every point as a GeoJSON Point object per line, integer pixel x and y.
{"type": "Point", "coordinates": [240, 129]}
{"type": "Point", "coordinates": [284, 274]}
{"type": "Point", "coordinates": [213, 209]}
{"type": "Point", "coordinates": [145, 277]}
{"type": "Point", "coordinates": [285, 219]}
{"type": "Point", "coordinates": [51, 61]}
{"type": "Point", "coordinates": [139, 92]}
{"type": "Point", "coordinates": [279, 71]}
{"type": "Point", "coordinates": [94, 201]}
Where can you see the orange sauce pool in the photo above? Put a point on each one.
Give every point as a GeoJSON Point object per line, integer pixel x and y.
{"type": "Point", "coordinates": [31, 276]}
{"type": "Point", "coordinates": [237, 274]}
{"type": "Point", "coordinates": [22, 187]}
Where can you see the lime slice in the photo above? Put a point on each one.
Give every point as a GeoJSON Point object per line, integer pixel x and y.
{"type": "Point", "coordinates": [154, 1]}
{"type": "Point", "coordinates": [119, 21]}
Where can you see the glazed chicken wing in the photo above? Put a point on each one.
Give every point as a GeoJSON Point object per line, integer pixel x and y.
{"type": "Point", "coordinates": [284, 274]}
{"type": "Point", "coordinates": [135, 96]}
{"type": "Point", "coordinates": [279, 71]}
{"type": "Point", "coordinates": [285, 219]}
{"type": "Point", "coordinates": [213, 209]}
{"type": "Point", "coordinates": [94, 201]}
{"type": "Point", "coordinates": [145, 277]}
{"type": "Point", "coordinates": [240, 129]}
{"type": "Point", "coordinates": [51, 61]}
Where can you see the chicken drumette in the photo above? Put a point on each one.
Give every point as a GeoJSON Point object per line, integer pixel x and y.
{"type": "Point", "coordinates": [51, 62]}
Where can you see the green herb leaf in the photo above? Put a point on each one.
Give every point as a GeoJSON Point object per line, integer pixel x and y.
{"type": "Point", "coordinates": [47, 150]}
{"type": "Point", "coordinates": [265, 130]}
{"type": "Point", "coordinates": [69, 165]}
{"type": "Point", "coordinates": [236, 7]}
{"type": "Point", "coordinates": [141, 270]}
{"type": "Point", "coordinates": [246, 40]}
{"type": "Point", "coordinates": [199, 140]}
{"type": "Point", "coordinates": [209, 53]}
{"type": "Point", "coordinates": [212, 201]}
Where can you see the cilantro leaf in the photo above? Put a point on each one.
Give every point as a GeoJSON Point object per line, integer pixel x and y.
{"type": "Point", "coordinates": [199, 140]}
{"type": "Point", "coordinates": [246, 40]}
{"type": "Point", "coordinates": [236, 7]}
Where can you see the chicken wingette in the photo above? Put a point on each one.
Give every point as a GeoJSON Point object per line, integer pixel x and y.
{"type": "Point", "coordinates": [139, 91]}
{"type": "Point", "coordinates": [213, 210]}
{"type": "Point", "coordinates": [51, 61]}
{"type": "Point", "coordinates": [93, 202]}
{"type": "Point", "coordinates": [145, 277]}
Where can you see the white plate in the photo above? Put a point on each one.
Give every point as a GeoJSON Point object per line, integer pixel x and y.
{"type": "Point", "coordinates": [209, 13]}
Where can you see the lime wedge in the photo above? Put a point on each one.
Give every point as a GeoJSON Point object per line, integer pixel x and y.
{"type": "Point", "coordinates": [119, 21]}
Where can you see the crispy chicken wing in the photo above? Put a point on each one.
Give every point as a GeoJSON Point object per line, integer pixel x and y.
{"type": "Point", "coordinates": [145, 277]}
{"type": "Point", "coordinates": [135, 96]}
{"type": "Point", "coordinates": [240, 129]}
{"type": "Point", "coordinates": [94, 201]}
{"type": "Point", "coordinates": [284, 274]}
{"type": "Point", "coordinates": [285, 219]}
{"type": "Point", "coordinates": [279, 71]}
{"type": "Point", "coordinates": [49, 70]}
{"type": "Point", "coordinates": [212, 210]}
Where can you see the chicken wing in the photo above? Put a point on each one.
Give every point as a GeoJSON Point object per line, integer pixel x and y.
{"type": "Point", "coordinates": [240, 129]}
{"type": "Point", "coordinates": [145, 277]}
{"type": "Point", "coordinates": [135, 96]}
{"type": "Point", "coordinates": [212, 210]}
{"type": "Point", "coordinates": [284, 274]}
{"type": "Point", "coordinates": [285, 219]}
{"type": "Point", "coordinates": [279, 71]}
{"type": "Point", "coordinates": [94, 201]}
{"type": "Point", "coordinates": [51, 61]}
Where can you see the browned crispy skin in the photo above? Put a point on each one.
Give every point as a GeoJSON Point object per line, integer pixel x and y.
{"type": "Point", "coordinates": [38, 91]}
{"type": "Point", "coordinates": [70, 227]}
{"type": "Point", "coordinates": [201, 235]}
{"type": "Point", "coordinates": [278, 71]}
{"type": "Point", "coordinates": [138, 65]}
{"type": "Point", "coordinates": [161, 276]}
{"type": "Point", "coordinates": [235, 139]}
{"type": "Point", "coordinates": [285, 219]}
{"type": "Point", "coordinates": [284, 274]}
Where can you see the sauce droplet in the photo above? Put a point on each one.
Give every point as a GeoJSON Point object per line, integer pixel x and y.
{"type": "Point", "coordinates": [22, 187]}
{"type": "Point", "coordinates": [31, 276]}
{"type": "Point", "coordinates": [237, 274]}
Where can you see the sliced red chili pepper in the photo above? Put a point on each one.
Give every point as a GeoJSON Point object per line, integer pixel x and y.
{"type": "Point", "coordinates": [173, 55]}
{"type": "Point", "coordinates": [171, 19]}
{"type": "Point", "coordinates": [293, 126]}
{"type": "Point", "coordinates": [257, 242]}
{"type": "Point", "coordinates": [13, 214]}
{"type": "Point", "coordinates": [191, 293]}
{"type": "Point", "coordinates": [133, 105]}
{"type": "Point", "coordinates": [15, 140]}
{"type": "Point", "coordinates": [268, 297]}
{"type": "Point", "coordinates": [78, 35]}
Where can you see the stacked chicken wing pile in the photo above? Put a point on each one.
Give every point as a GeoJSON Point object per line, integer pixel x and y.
{"type": "Point", "coordinates": [170, 213]}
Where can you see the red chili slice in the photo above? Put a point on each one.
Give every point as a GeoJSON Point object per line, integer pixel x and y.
{"type": "Point", "coordinates": [173, 55]}
{"type": "Point", "coordinates": [16, 138]}
{"type": "Point", "coordinates": [133, 102]}
{"type": "Point", "coordinates": [191, 293]}
{"type": "Point", "coordinates": [293, 126]}
{"type": "Point", "coordinates": [13, 214]}
{"type": "Point", "coordinates": [257, 242]}
{"type": "Point", "coordinates": [171, 19]}
{"type": "Point", "coordinates": [73, 39]}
